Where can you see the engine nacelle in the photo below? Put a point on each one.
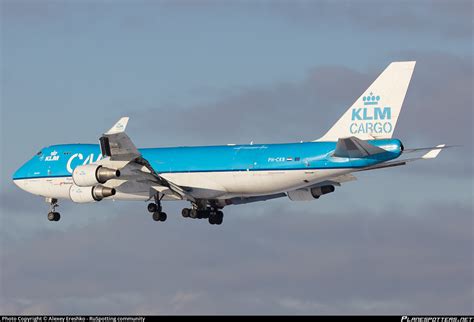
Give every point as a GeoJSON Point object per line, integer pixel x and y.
{"type": "Point", "coordinates": [309, 194]}
{"type": "Point", "coordinates": [90, 194]}
{"type": "Point", "coordinates": [92, 174]}
{"type": "Point", "coordinates": [319, 191]}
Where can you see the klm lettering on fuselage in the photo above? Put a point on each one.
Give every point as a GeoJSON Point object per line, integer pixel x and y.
{"type": "Point", "coordinates": [78, 159]}
{"type": "Point", "coordinates": [371, 118]}
{"type": "Point", "coordinates": [53, 156]}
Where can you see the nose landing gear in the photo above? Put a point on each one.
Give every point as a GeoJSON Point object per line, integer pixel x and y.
{"type": "Point", "coordinates": [52, 214]}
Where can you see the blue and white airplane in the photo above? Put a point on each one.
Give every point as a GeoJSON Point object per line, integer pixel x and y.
{"type": "Point", "coordinates": [212, 177]}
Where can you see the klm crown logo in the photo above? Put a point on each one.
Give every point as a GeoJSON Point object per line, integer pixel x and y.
{"type": "Point", "coordinates": [371, 115]}
{"type": "Point", "coordinates": [371, 99]}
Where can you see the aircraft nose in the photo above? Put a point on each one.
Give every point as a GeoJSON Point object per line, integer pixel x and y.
{"type": "Point", "coordinates": [19, 174]}
{"type": "Point", "coordinates": [18, 183]}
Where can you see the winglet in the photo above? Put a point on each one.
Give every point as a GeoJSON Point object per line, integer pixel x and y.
{"type": "Point", "coordinates": [119, 126]}
{"type": "Point", "coordinates": [433, 153]}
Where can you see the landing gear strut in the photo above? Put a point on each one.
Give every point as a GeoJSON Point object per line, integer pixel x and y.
{"type": "Point", "coordinates": [156, 210]}
{"type": "Point", "coordinates": [52, 214]}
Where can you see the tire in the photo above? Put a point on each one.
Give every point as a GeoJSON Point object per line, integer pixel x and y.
{"type": "Point", "coordinates": [163, 216]}
{"type": "Point", "coordinates": [185, 212]}
{"type": "Point", "coordinates": [193, 214]}
{"type": "Point", "coordinates": [156, 216]}
{"type": "Point", "coordinates": [57, 216]}
{"type": "Point", "coordinates": [152, 207]}
{"type": "Point", "coordinates": [203, 214]}
{"type": "Point", "coordinates": [212, 220]}
{"type": "Point", "coordinates": [219, 218]}
{"type": "Point", "coordinates": [51, 216]}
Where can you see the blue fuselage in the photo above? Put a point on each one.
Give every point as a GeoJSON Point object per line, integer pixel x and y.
{"type": "Point", "coordinates": [60, 160]}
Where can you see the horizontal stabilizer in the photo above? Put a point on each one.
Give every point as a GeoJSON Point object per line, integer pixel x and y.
{"type": "Point", "coordinates": [441, 146]}
{"type": "Point", "coordinates": [433, 153]}
{"type": "Point", "coordinates": [355, 148]}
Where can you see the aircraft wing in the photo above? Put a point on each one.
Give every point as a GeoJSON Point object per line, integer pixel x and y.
{"type": "Point", "coordinates": [335, 181]}
{"type": "Point", "coordinates": [117, 145]}
{"type": "Point", "coordinates": [119, 151]}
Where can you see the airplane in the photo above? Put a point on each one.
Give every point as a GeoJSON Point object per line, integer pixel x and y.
{"type": "Point", "coordinates": [213, 177]}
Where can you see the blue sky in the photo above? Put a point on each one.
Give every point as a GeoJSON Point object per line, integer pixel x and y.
{"type": "Point", "coordinates": [209, 72]}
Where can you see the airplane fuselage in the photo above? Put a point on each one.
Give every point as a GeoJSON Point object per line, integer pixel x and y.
{"type": "Point", "coordinates": [211, 172]}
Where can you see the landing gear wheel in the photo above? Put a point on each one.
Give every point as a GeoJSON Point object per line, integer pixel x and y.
{"type": "Point", "coordinates": [212, 220]}
{"type": "Point", "coordinates": [203, 213]}
{"type": "Point", "coordinates": [51, 216]}
{"type": "Point", "coordinates": [152, 207]}
{"type": "Point", "coordinates": [159, 216]}
{"type": "Point", "coordinates": [163, 216]}
{"type": "Point", "coordinates": [219, 218]}
{"type": "Point", "coordinates": [193, 213]}
{"type": "Point", "coordinates": [216, 218]}
{"type": "Point", "coordinates": [185, 212]}
{"type": "Point", "coordinates": [54, 216]}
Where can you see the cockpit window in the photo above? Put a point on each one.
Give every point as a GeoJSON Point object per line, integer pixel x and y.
{"type": "Point", "coordinates": [39, 153]}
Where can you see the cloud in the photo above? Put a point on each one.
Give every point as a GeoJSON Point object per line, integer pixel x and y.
{"type": "Point", "coordinates": [286, 261]}
{"type": "Point", "coordinates": [439, 102]}
{"type": "Point", "coordinates": [428, 18]}
{"type": "Point", "coordinates": [285, 111]}
{"type": "Point", "coordinates": [436, 107]}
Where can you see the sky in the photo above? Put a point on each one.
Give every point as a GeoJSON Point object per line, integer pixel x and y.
{"type": "Point", "coordinates": [396, 241]}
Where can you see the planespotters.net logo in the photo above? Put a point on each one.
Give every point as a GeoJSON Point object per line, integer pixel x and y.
{"type": "Point", "coordinates": [437, 319]}
{"type": "Point", "coordinates": [371, 118]}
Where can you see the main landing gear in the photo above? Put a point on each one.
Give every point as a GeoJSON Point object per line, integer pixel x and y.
{"type": "Point", "coordinates": [156, 210]}
{"type": "Point", "coordinates": [202, 209]}
{"type": "Point", "coordinates": [214, 215]}
{"type": "Point", "coordinates": [52, 214]}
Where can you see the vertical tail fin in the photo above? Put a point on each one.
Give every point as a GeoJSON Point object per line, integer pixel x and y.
{"type": "Point", "coordinates": [375, 113]}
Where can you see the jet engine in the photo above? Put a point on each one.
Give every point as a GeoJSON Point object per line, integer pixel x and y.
{"type": "Point", "coordinates": [92, 174]}
{"type": "Point", "coordinates": [90, 194]}
{"type": "Point", "coordinates": [309, 193]}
